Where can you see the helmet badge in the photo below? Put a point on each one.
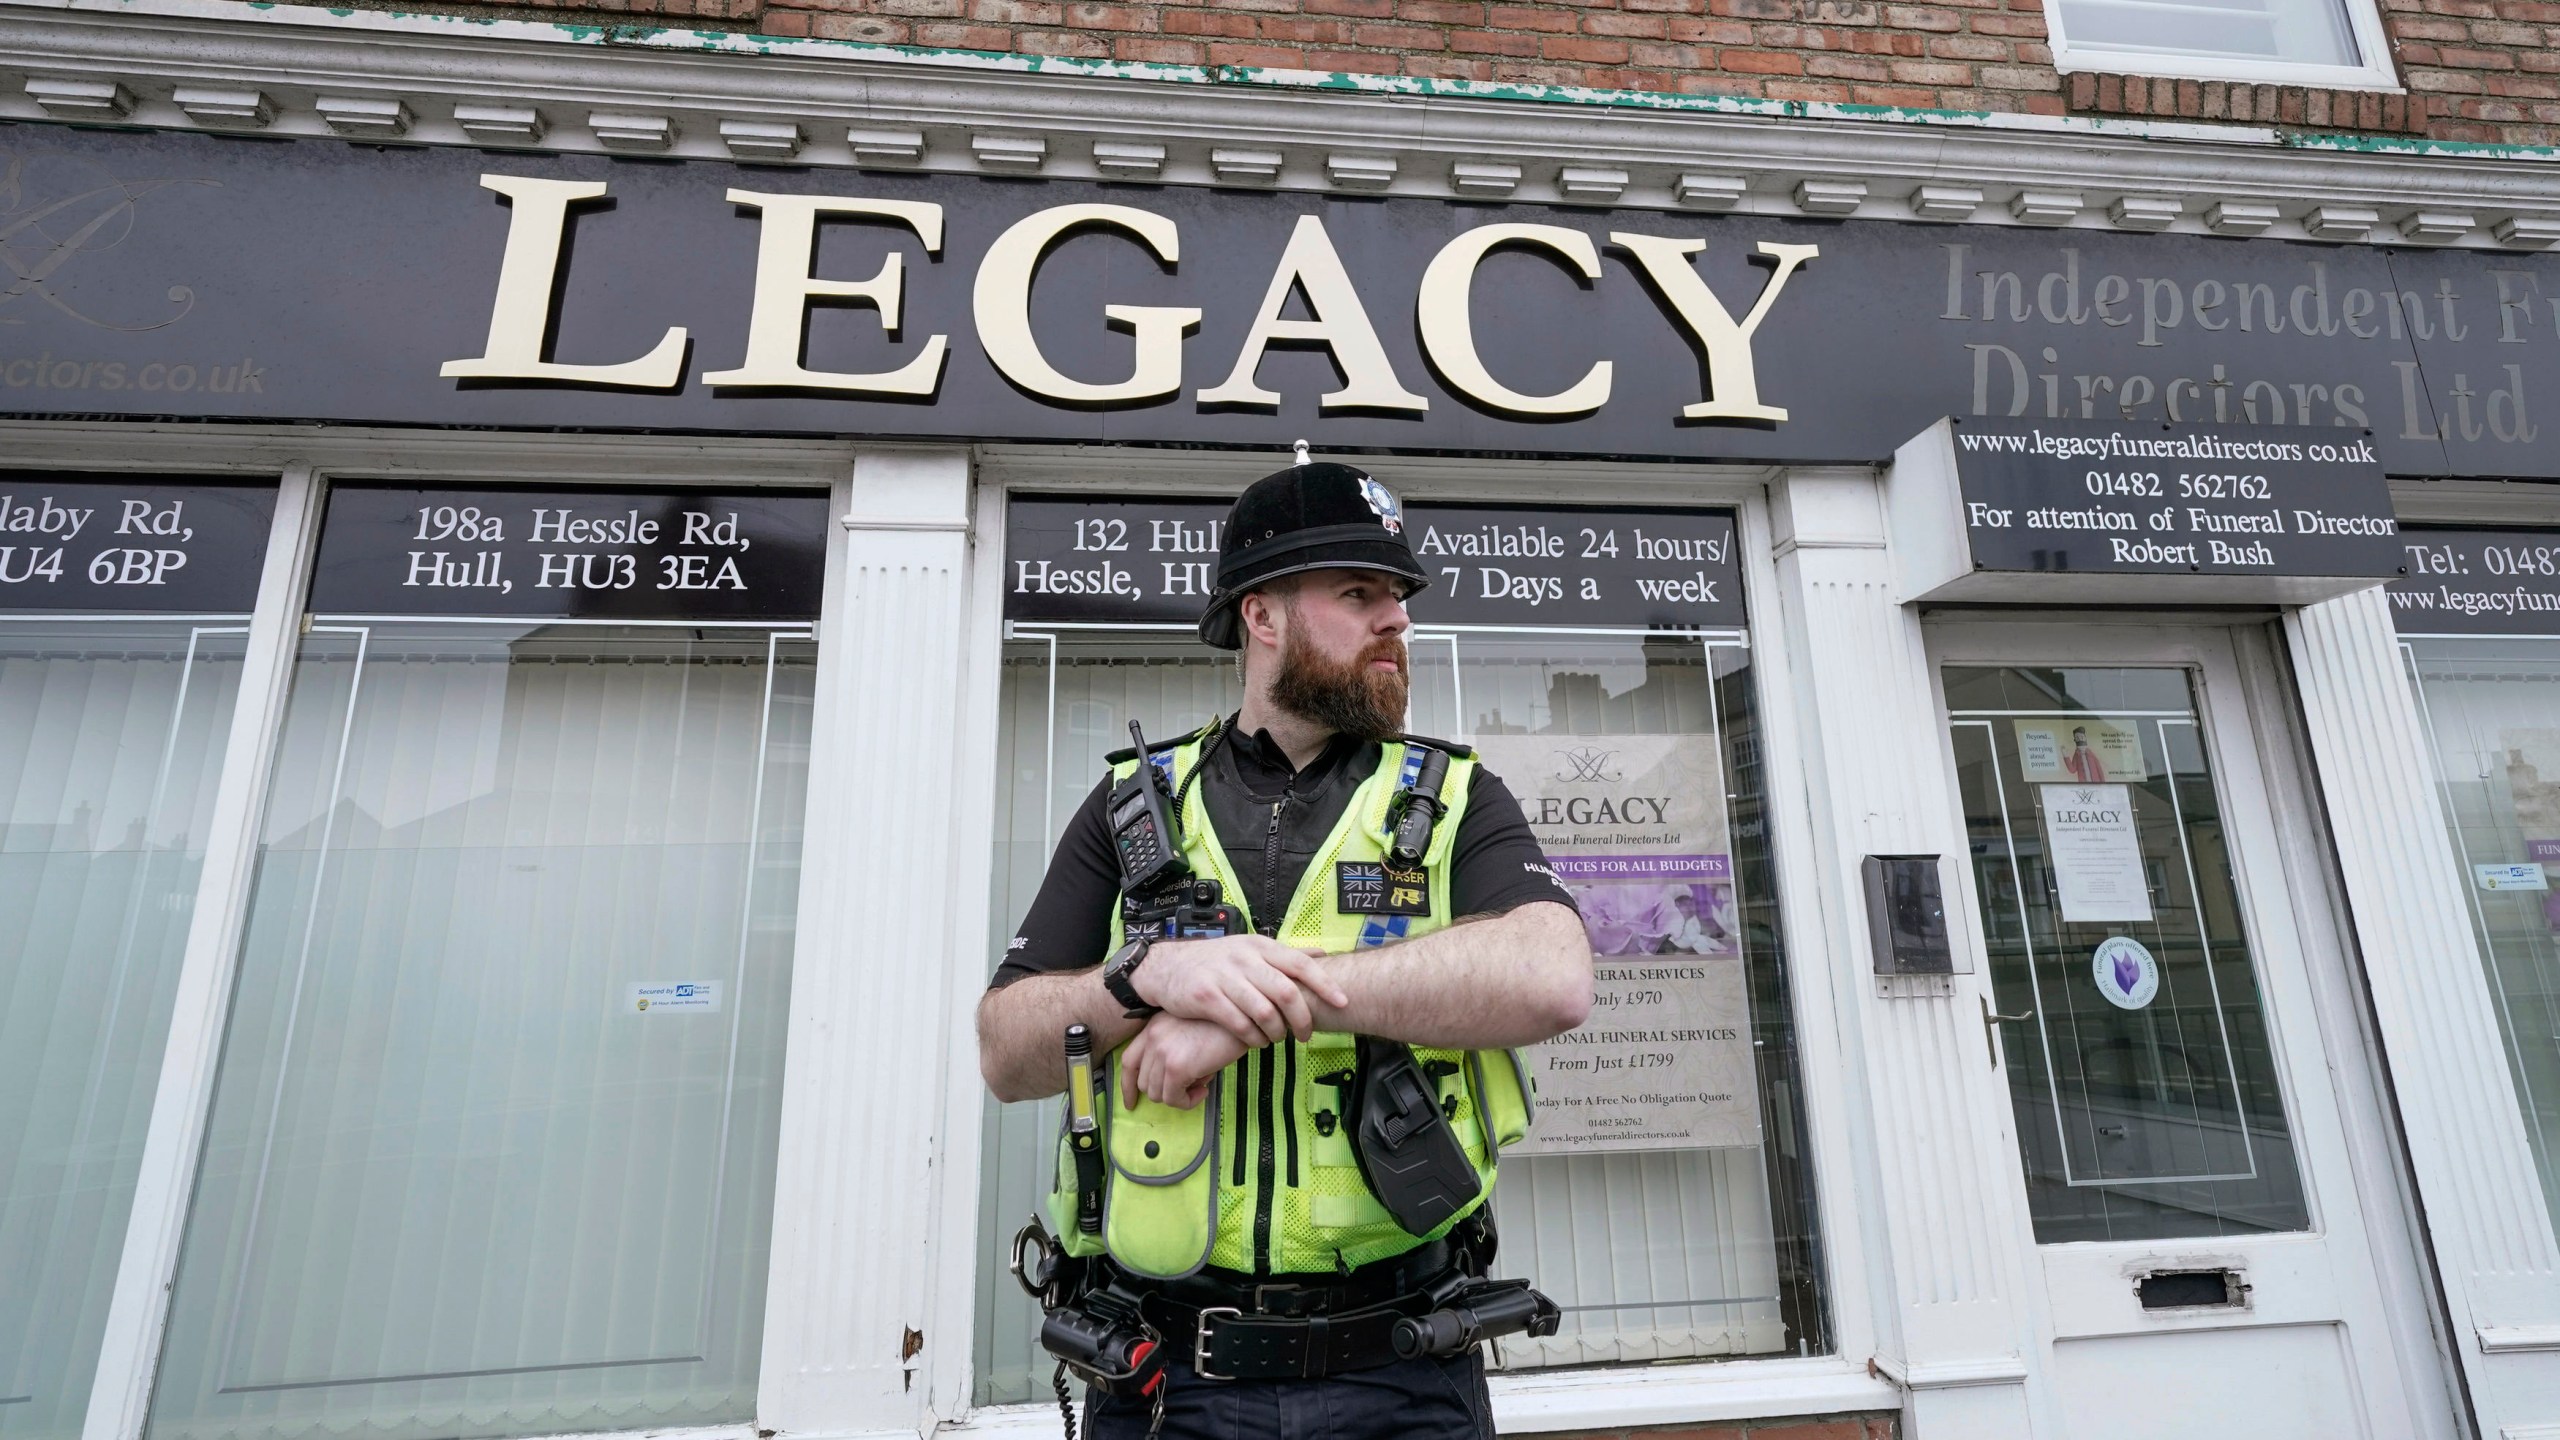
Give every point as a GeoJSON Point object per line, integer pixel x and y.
{"type": "Point", "coordinates": [1383, 500]}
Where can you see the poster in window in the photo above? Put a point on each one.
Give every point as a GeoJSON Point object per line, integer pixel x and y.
{"type": "Point", "coordinates": [2095, 848]}
{"type": "Point", "coordinates": [2082, 749]}
{"type": "Point", "coordinates": [1635, 827]}
{"type": "Point", "coordinates": [2533, 787]}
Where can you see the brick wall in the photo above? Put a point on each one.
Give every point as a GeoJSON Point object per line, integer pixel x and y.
{"type": "Point", "coordinates": [2479, 70]}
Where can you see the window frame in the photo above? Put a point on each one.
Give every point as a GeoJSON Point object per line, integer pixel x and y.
{"type": "Point", "coordinates": [2364, 22]}
{"type": "Point", "coordinates": [799, 1331]}
{"type": "Point", "coordinates": [1856, 1274]}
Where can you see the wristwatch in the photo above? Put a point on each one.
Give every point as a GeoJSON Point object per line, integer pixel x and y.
{"type": "Point", "coordinates": [1116, 973]}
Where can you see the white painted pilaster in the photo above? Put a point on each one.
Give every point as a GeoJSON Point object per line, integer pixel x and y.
{"type": "Point", "coordinates": [2496, 1256]}
{"type": "Point", "coordinates": [868, 1058]}
{"type": "Point", "coordinates": [200, 1010]}
{"type": "Point", "coordinates": [1953, 1325]}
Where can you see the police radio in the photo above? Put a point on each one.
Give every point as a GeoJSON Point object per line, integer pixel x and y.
{"type": "Point", "coordinates": [1143, 831]}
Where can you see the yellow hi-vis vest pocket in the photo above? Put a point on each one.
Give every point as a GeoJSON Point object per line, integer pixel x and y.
{"type": "Point", "coordinates": [1170, 1157]}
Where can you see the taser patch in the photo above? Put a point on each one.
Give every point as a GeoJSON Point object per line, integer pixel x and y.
{"type": "Point", "coordinates": [1369, 887]}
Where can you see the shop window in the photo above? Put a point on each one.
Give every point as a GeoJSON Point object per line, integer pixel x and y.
{"type": "Point", "coordinates": [2492, 712]}
{"type": "Point", "coordinates": [2293, 42]}
{"type": "Point", "coordinates": [1667, 1206]}
{"type": "Point", "coordinates": [112, 727]}
{"type": "Point", "coordinates": [492, 1148]}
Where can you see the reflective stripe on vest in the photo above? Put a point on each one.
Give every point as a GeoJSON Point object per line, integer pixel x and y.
{"type": "Point", "coordinates": [1262, 1176]}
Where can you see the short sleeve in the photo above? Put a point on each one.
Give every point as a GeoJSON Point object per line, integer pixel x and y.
{"type": "Point", "coordinates": [1069, 923]}
{"type": "Point", "coordinates": [1496, 865]}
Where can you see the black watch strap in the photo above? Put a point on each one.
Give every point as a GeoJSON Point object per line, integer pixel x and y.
{"type": "Point", "coordinates": [1115, 978]}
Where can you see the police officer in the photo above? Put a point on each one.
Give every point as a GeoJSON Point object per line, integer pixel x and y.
{"type": "Point", "coordinates": [1241, 1236]}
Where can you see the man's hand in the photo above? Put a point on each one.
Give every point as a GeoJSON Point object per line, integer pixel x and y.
{"type": "Point", "coordinates": [1247, 985]}
{"type": "Point", "coordinates": [1173, 1060]}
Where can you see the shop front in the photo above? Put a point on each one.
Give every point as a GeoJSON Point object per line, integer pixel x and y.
{"type": "Point", "coordinates": [536, 686]}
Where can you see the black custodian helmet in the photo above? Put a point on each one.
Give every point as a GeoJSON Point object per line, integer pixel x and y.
{"type": "Point", "coordinates": [1312, 516]}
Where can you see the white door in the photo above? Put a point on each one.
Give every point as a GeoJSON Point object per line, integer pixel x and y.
{"type": "Point", "coordinates": [2203, 1265]}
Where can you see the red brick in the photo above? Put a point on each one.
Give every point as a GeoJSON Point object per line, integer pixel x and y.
{"type": "Point", "coordinates": [793, 24]}
{"type": "Point", "coordinates": [1754, 9]}
{"type": "Point", "coordinates": [1524, 17]}
{"type": "Point", "coordinates": [1210, 22]}
{"type": "Point", "coordinates": [2528, 86]}
{"type": "Point", "coordinates": [1931, 72]}
{"type": "Point", "coordinates": [1447, 67]}
{"type": "Point", "coordinates": [1969, 47]}
{"type": "Point", "coordinates": [870, 28]}
{"type": "Point", "coordinates": [1818, 1430]}
{"type": "Point", "coordinates": [2431, 27]}
{"type": "Point", "coordinates": [1720, 85]}
{"type": "Point", "coordinates": [1275, 57]}
{"type": "Point", "coordinates": [1899, 95]}
{"type": "Point", "coordinates": [2418, 55]}
{"type": "Point", "coordinates": [1492, 42]}
{"type": "Point", "coordinates": [1761, 62]}
{"type": "Point", "coordinates": [2501, 32]}
{"type": "Point", "coordinates": [1668, 7]}
{"type": "Point", "coordinates": [1064, 42]}
{"type": "Point", "coordinates": [2442, 82]}
{"type": "Point", "coordinates": [1790, 37]}
{"type": "Point", "coordinates": [1590, 52]}
{"type": "Point", "coordinates": [1847, 67]}
{"type": "Point", "coordinates": [1712, 32]}
{"type": "Point", "coordinates": [2024, 27]}
{"type": "Point", "coordinates": [1299, 30]}
{"type": "Point", "coordinates": [1364, 9]}
{"type": "Point", "coordinates": [1400, 37]}
{"type": "Point", "coordinates": [1843, 12]}
{"type": "Point", "coordinates": [2469, 59]}
{"type": "Point", "coordinates": [953, 36]}
{"type": "Point", "coordinates": [1634, 27]}
{"type": "Point", "coordinates": [1819, 91]}
{"type": "Point", "coordinates": [1349, 62]}
{"type": "Point", "coordinates": [1440, 12]}
{"type": "Point", "coordinates": [1671, 57]}
{"type": "Point", "coordinates": [1017, 12]}
{"type": "Point", "coordinates": [1158, 50]}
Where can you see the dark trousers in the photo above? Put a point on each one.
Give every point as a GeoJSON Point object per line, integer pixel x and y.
{"type": "Point", "coordinates": [1441, 1399]}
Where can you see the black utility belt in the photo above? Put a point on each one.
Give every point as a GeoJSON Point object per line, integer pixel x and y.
{"type": "Point", "coordinates": [1225, 1342]}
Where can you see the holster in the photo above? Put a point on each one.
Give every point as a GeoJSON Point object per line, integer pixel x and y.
{"type": "Point", "coordinates": [1408, 1151]}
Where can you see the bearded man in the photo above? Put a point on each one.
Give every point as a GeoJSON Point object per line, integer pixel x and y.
{"type": "Point", "coordinates": [1255, 1242]}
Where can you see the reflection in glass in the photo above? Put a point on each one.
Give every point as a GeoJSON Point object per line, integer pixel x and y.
{"type": "Point", "coordinates": [479, 1162]}
{"type": "Point", "coordinates": [2143, 1079]}
{"type": "Point", "coordinates": [2492, 709]}
{"type": "Point", "coordinates": [111, 738]}
{"type": "Point", "coordinates": [1668, 1254]}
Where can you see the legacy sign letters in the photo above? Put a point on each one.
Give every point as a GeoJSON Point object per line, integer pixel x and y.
{"type": "Point", "coordinates": [444, 286]}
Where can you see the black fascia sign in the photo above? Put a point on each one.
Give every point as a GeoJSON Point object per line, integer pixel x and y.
{"type": "Point", "coordinates": [1105, 562]}
{"type": "Point", "coordinates": [2478, 582]}
{"type": "Point", "coordinates": [131, 544]}
{"type": "Point", "coordinates": [310, 280]}
{"type": "Point", "coordinates": [571, 554]}
{"type": "Point", "coordinates": [2064, 511]}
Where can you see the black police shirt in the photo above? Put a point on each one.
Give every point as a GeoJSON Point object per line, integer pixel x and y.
{"type": "Point", "coordinates": [1271, 820]}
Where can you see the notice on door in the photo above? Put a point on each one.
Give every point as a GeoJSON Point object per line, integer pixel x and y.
{"type": "Point", "coordinates": [2096, 852]}
{"type": "Point", "coordinates": [1635, 826]}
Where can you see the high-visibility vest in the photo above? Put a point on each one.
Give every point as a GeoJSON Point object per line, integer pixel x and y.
{"type": "Point", "coordinates": [1261, 1176]}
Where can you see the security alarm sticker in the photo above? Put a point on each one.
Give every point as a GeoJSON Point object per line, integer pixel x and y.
{"type": "Point", "coordinates": [1363, 887]}
{"type": "Point", "coordinates": [2125, 971]}
{"type": "Point", "coordinates": [669, 997]}
{"type": "Point", "coordinates": [2518, 875]}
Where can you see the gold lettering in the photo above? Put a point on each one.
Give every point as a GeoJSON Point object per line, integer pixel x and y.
{"type": "Point", "coordinates": [1448, 330]}
{"type": "Point", "coordinates": [1003, 305]}
{"type": "Point", "coordinates": [1340, 325]}
{"type": "Point", "coordinates": [786, 246]}
{"type": "Point", "coordinates": [521, 315]}
{"type": "Point", "coordinates": [1728, 346]}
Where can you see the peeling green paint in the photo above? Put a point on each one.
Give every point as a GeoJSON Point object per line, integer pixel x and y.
{"type": "Point", "coordinates": [1429, 88]}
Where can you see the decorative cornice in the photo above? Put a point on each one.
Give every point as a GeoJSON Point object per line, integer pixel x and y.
{"type": "Point", "coordinates": [292, 70]}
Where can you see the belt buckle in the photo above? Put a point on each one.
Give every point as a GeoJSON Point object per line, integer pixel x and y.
{"type": "Point", "coordinates": [1262, 1298]}
{"type": "Point", "coordinates": [1200, 1339]}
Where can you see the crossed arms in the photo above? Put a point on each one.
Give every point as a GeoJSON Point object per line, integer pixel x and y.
{"type": "Point", "coordinates": [1481, 984]}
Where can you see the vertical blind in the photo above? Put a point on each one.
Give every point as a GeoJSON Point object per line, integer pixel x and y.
{"type": "Point", "coordinates": [1659, 1255]}
{"type": "Point", "coordinates": [492, 1144]}
{"type": "Point", "coordinates": [2492, 709]}
{"type": "Point", "coordinates": [111, 736]}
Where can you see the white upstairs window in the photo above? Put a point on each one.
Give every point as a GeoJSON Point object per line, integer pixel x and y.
{"type": "Point", "coordinates": [2329, 43]}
